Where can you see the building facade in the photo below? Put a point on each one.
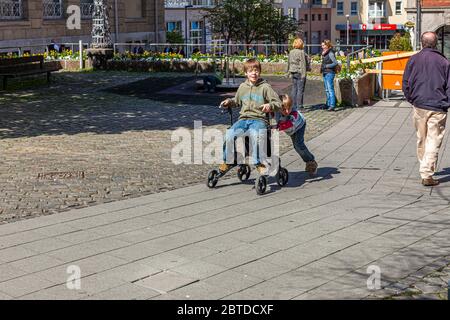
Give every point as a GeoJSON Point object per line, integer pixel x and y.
{"type": "Point", "coordinates": [314, 18]}
{"type": "Point", "coordinates": [187, 18]}
{"type": "Point", "coordinates": [36, 22]}
{"type": "Point", "coordinates": [435, 17]}
{"type": "Point", "coordinates": [372, 22]}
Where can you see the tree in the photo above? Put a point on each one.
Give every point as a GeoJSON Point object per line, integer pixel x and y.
{"type": "Point", "coordinates": [244, 20]}
{"type": "Point", "coordinates": [254, 18]}
{"type": "Point", "coordinates": [280, 27]}
{"type": "Point", "coordinates": [174, 37]}
{"type": "Point", "coordinates": [224, 20]}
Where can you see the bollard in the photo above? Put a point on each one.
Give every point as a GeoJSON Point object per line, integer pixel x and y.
{"type": "Point", "coordinates": [80, 44]}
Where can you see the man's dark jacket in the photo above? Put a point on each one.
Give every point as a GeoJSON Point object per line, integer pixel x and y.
{"type": "Point", "coordinates": [426, 80]}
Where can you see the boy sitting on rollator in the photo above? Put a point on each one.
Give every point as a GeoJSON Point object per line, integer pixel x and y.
{"type": "Point", "coordinates": [256, 98]}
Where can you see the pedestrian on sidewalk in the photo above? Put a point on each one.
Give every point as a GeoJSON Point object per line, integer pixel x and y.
{"type": "Point", "coordinates": [426, 85]}
{"type": "Point", "coordinates": [328, 70]}
{"type": "Point", "coordinates": [297, 70]}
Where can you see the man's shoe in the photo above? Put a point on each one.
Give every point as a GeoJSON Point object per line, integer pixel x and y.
{"type": "Point", "coordinates": [261, 169]}
{"type": "Point", "coordinates": [430, 182]}
{"type": "Point", "coordinates": [331, 109]}
{"type": "Point", "coordinates": [311, 167]}
{"type": "Point", "coordinates": [223, 168]}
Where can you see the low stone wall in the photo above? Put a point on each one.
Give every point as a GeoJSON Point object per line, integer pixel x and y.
{"type": "Point", "coordinates": [69, 65]}
{"type": "Point", "coordinates": [160, 66]}
{"type": "Point", "coordinates": [193, 66]}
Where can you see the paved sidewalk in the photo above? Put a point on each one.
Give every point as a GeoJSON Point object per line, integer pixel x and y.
{"type": "Point", "coordinates": [313, 239]}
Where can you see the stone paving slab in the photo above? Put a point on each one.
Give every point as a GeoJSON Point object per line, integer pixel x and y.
{"type": "Point", "coordinates": [314, 239]}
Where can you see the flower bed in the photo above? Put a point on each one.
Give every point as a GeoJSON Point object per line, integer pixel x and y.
{"type": "Point", "coordinates": [67, 59]}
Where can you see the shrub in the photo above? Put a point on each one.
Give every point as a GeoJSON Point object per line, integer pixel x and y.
{"type": "Point", "coordinates": [400, 42]}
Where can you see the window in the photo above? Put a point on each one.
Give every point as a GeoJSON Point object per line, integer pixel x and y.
{"type": "Point", "coordinates": [196, 32]}
{"type": "Point", "coordinates": [354, 8]}
{"type": "Point", "coordinates": [326, 16]}
{"type": "Point", "coordinates": [376, 9]}
{"type": "Point", "coordinates": [306, 17]}
{"type": "Point", "coordinates": [279, 11]}
{"type": "Point", "coordinates": [398, 7]}
{"type": "Point", "coordinates": [325, 33]}
{"type": "Point", "coordinates": [313, 17]}
{"type": "Point", "coordinates": [86, 7]}
{"type": "Point", "coordinates": [317, 2]}
{"type": "Point", "coordinates": [10, 10]}
{"type": "Point", "coordinates": [174, 26]}
{"type": "Point", "coordinates": [291, 13]}
{"type": "Point", "coordinates": [319, 17]}
{"type": "Point", "coordinates": [340, 8]}
{"type": "Point", "coordinates": [52, 9]}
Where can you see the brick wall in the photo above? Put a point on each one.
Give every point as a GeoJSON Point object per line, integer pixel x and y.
{"type": "Point", "coordinates": [435, 3]}
{"type": "Point", "coordinates": [33, 29]}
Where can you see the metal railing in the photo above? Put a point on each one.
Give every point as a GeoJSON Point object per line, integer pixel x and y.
{"type": "Point", "coordinates": [34, 49]}
{"type": "Point", "coordinates": [195, 3]}
{"type": "Point", "coordinates": [10, 9]}
{"type": "Point", "coordinates": [220, 48]}
{"type": "Point", "coordinates": [52, 9]}
{"type": "Point", "coordinates": [176, 3]}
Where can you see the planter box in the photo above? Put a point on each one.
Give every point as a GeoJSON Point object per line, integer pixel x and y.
{"type": "Point", "coordinates": [69, 65]}
{"type": "Point", "coordinates": [161, 66]}
{"type": "Point", "coordinates": [363, 89]}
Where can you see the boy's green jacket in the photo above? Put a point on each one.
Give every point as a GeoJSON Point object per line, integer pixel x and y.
{"type": "Point", "coordinates": [251, 97]}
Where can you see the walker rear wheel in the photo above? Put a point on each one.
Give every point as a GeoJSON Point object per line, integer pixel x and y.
{"type": "Point", "coordinates": [282, 177]}
{"type": "Point", "coordinates": [243, 172]}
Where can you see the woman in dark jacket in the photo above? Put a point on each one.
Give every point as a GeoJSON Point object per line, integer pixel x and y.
{"type": "Point", "coordinates": [328, 70]}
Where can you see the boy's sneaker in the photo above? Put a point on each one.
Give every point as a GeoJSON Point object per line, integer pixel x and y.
{"type": "Point", "coordinates": [224, 167]}
{"type": "Point", "coordinates": [311, 167]}
{"type": "Point", "coordinates": [261, 169]}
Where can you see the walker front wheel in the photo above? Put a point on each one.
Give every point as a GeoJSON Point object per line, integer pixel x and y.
{"type": "Point", "coordinates": [261, 185]}
{"type": "Point", "coordinates": [212, 179]}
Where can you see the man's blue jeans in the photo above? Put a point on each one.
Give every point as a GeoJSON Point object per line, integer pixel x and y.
{"type": "Point", "coordinates": [298, 140]}
{"type": "Point", "coordinates": [328, 79]}
{"type": "Point", "coordinates": [253, 129]}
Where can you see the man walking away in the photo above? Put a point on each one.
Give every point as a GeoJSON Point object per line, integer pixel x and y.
{"type": "Point", "coordinates": [426, 85]}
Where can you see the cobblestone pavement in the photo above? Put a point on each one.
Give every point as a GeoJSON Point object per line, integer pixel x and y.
{"type": "Point", "coordinates": [429, 283]}
{"type": "Point", "coordinates": [71, 144]}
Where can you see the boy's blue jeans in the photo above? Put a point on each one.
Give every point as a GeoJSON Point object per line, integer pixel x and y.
{"type": "Point", "coordinates": [245, 127]}
{"type": "Point", "coordinates": [298, 140]}
{"type": "Point", "coordinates": [328, 80]}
